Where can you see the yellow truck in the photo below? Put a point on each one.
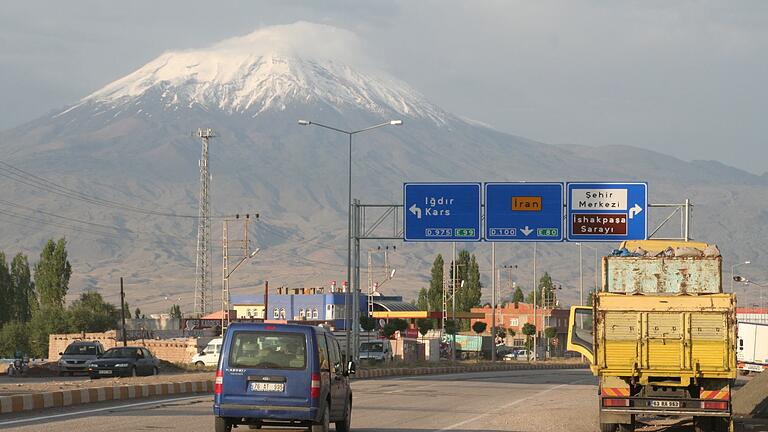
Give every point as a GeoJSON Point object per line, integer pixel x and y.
{"type": "Point", "coordinates": [661, 337]}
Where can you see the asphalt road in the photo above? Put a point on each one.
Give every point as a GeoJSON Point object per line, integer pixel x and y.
{"type": "Point", "coordinates": [536, 400]}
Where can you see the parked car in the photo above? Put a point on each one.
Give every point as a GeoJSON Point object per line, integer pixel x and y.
{"type": "Point", "coordinates": [124, 361]}
{"type": "Point", "coordinates": [375, 351]}
{"type": "Point", "coordinates": [282, 374]}
{"type": "Point", "coordinates": [209, 356]}
{"type": "Point", "coordinates": [78, 355]}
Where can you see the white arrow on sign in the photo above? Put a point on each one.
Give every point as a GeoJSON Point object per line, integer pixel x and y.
{"type": "Point", "coordinates": [526, 231]}
{"type": "Point", "coordinates": [636, 210]}
{"type": "Point", "coordinates": [417, 211]}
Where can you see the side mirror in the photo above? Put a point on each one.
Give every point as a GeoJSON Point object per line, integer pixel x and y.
{"type": "Point", "coordinates": [202, 353]}
{"type": "Point", "coordinates": [61, 353]}
{"type": "Point", "coordinates": [351, 368]}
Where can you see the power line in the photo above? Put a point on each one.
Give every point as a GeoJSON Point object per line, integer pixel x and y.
{"type": "Point", "coordinates": [24, 177]}
{"type": "Point", "coordinates": [98, 225]}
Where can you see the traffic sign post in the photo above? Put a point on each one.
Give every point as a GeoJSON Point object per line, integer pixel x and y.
{"type": "Point", "coordinates": [524, 212]}
{"type": "Point", "coordinates": [607, 211]}
{"type": "Point", "coordinates": [442, 212]}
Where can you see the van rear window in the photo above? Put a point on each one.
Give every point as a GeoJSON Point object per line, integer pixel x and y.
{"type": "Point", "coordinates": [268, 350]}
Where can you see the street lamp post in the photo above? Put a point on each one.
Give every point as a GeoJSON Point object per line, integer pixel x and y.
{"type": "Point", "coordinates": [733, 267]}
{"type": "Point", "coordinates": [349, 299]}
{"type": "Point", "coordinates": [581, 271]}
{"type": "Point", "coordinates": [749, 282]}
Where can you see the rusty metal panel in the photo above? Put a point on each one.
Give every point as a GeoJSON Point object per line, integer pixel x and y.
{"type": "Point", "coordinates": [660, 275]}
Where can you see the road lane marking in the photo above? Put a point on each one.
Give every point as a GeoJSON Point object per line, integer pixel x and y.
{"type": "Point", "coordinates": [95, 410]}
{"type": "Point", "coordinates": [509, 405]}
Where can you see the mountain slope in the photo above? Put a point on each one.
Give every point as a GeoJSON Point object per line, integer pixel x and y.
{"type": "Point", "coordinates": [130, 142]}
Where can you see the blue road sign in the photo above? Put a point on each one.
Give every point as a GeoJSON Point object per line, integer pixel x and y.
{"type": "Point", "coordinates": [607, 211]}
{"type": "Point", "coordinates": [520, 212]}
{"type": "Point", "coordinates": [441, 212]}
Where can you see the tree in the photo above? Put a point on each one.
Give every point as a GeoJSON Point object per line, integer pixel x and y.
{"type": "Point", "coordinates": [175, 311]}
{"type": "Point", "coordinates": [23, 288]}
{"type": "Point", "coordinates": [400, 324]}
{"type": "Point", "coordinates": [479, 327]}
{"type": "Point", "coordinates": [544, 293]}
{"type": "Point", "coordinates": [14, 336]}
{"type": "Point", "coordinates": [511, 332]}
{"type": "Point", "coordinates": [435, 292]}
{"type": "Point", "coordinates": [550, 332]}
{"type": "Point", "coordinates": [47, 319]}
{"type": "Point", "coordinates": [518, 296]}
{"type": "Point", "coordinates": [424, 325]}
{"type": "Point", "coordinates": [422, 302]}
{"type": "Point", "coordinates": [367, 323]}
{"type": "Point", "coordinates": [91, 314]}
{"type": "Point", "coordinates": [529, 330]}
{"type": "Point", "coordinates": [52, 274]}
{"type": "Point", "coordinates": [450, 327]}
{"type": "Point", "coordinates": [137, 313]}
{"type": "Point", "coordinates": [467, 270]}
{"type": "Point", "coordinates": [6, 291]}
{"type": "Point", "coordinates": [501, 332]}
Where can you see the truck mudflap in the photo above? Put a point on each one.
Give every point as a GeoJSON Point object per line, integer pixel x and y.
{"type": "Point", "coordinates": [711, 403]}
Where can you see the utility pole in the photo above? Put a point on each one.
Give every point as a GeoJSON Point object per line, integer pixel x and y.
{"type": "Point", "coordinates": [122, 309]}
{"type": "Point", "coordinates": [203, 281]}
{"type": "Point", "coordinates": [225, 271]}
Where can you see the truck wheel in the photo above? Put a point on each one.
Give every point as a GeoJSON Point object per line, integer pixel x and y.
{"type": "Point", "coordinates": [722, 424]}
{"type": "Point", "coordinates": [627, 428]}
{"type": "Point", "coordinates": [703, 424]}
{"type": "Point", "coordinates": [222, 424]}
{"type": "Point", "coordinates": [608, 427]}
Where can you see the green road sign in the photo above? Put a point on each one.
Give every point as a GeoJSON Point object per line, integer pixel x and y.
{"type": "Point", "coordinates": [547, 232]}
{"type": "Point", "coordinates": [465, 232]}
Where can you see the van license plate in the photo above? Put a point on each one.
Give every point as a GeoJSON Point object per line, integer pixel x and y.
{"type": "Point", "coordinates": [267, 387]}
{"type": "Point", "coordinates": [105, 372]}
{"type": "Point", "coordinates": [665, 404]}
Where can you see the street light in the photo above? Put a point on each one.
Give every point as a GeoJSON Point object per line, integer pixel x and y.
{"type": "Point", "coordinates": [347, 300]}
{"type": "Point", "coordinates": [581, 271]}
{"type": "Point", "coordinates": [749, 282]}
{"type": "Point", "coordinates": [733, 267]}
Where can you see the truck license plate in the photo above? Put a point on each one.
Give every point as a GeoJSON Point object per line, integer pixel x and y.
{"type": "Point", "coordinates": [665, 404]}
{"type": "Point", "coordinates": [267, 387]}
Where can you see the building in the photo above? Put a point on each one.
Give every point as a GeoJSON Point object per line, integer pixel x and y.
{"type": "Point", "coordinates": [514, 316]}
{"type": "Point", "coordinates": [755, 315]}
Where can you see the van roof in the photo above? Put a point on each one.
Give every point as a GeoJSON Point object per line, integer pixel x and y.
{"type": "Point", "coordinates": [291, 328]}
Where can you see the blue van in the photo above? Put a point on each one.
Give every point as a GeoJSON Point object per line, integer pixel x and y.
{"type": "Point", "coordinates": [282, 375]}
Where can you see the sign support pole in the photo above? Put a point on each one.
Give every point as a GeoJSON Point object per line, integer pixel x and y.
{"type": "Point", "coordinates": [493, 303]}
{"type": "Point", "coordinates": [535, 288]}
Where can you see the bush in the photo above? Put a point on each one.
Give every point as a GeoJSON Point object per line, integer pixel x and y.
{"type": "Point", "coordinates": [479, 327]}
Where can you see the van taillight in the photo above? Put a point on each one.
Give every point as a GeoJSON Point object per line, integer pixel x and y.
{"type": "Point", "coordinates": [314, 390]}
{"type": "Point", "coordinates": [218, 384]}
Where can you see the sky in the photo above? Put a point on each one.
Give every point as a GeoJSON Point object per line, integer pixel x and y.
{"type": "Point", "coordinates": [686, 78]}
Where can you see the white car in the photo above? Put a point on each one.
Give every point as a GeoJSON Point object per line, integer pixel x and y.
{"type": "Point", "coordinates": [209, 356]}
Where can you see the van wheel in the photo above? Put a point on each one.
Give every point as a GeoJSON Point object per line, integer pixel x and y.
{"type": "Point", "coordinates": [324, 424]}
{"type": "Point", "coordinates": [344, 425]}
{"type": "Point", "coordinates": [222, 424]}
{"type": "Point", "coordinates": [199, 365]}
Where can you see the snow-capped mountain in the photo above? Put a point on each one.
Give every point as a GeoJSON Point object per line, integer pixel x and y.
{"type": "Point", "coordinates": [259, 72]}
{"type": "Point", "coordinates": [131, 143]}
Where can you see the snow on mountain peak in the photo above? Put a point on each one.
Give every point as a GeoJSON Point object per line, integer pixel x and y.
{"type": "Point", "coordinates": [270, 69]}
